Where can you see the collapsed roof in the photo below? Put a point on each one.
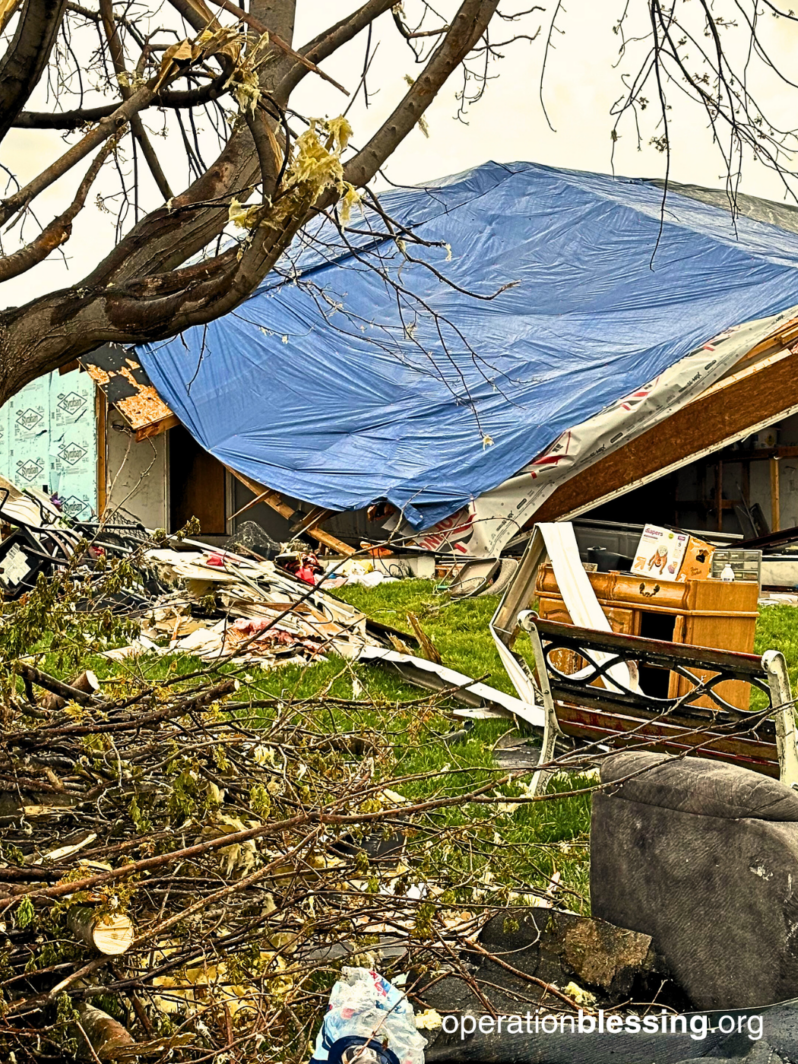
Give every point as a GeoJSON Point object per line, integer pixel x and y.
{"type": "Point", "coordinates": [355, 374]}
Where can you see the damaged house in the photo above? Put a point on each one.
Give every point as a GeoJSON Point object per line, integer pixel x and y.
{"type": "Point", "coordinates": [511, 344]}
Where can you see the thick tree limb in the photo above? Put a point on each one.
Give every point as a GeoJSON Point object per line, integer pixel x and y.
{"type": "Point", "coordinates": [27, 56]}
{"type": "Point", "coordinates": [265, 145]}
{"type": "Point", "coordinates": [276, 13]}
{"type": "Point", "coordinates": [151, 248]}
{"type": "Point", "coordinates": [166, 237]}
{"type": "Point", "coordinates": [143, 310]}
{"type": "Point", "coordinates": [105, 1035]}
{"type": "Point", "coordinates": [149, 308]}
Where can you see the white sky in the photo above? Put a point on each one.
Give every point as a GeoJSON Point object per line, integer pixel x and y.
{"type": "Point", "coordinates": [506, 125]}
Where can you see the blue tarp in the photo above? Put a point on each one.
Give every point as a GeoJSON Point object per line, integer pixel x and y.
{"type": "Point", "coordinates": [330, 385]}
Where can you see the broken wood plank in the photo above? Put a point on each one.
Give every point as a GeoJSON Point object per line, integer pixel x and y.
{"type": "Point", "coordinates": [308, 522]}
{"type": "Point", "coordinates": [785, 336]}
{"type": "Point", "coordinates": [775, 499]}
{"type": "Point", "coordinates": [428, 648]}
{"type": "Point", "coordinates": [248, 505]}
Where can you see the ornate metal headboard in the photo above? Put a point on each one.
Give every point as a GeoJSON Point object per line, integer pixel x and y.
{"type": "Point", "coordinates": [589, 684]}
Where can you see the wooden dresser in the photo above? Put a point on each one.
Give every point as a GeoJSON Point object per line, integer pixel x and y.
{"type": "Point", "coordinates": [708, 613]}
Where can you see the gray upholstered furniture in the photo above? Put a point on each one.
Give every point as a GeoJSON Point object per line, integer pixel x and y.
{"type": "Point", "coordinates": [702, 856]}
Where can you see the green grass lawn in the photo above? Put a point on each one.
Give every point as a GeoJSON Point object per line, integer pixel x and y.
{"type": "Point", "coordinates": [777, 629]}
{"type": "Point", "coordinates": [518, 848]}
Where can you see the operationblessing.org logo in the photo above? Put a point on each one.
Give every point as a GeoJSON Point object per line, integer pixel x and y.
{"type": "Point", "coordinates": [695, 1025]}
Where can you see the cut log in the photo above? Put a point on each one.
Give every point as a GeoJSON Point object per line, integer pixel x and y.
{"type": "Point", "coordinates": [32, 675]}
{"type": "Point", "coordinates": [106, 1035]}
{"type": "Point", "coordinates": [108, 934]}
{"type": "Point", "coordinates": [87, 683]}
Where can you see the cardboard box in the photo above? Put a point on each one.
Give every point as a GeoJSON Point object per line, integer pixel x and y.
{"type": "Point", "coordinates": [671, 555]}
{"type": "Point", "coordinates": [697, 561]}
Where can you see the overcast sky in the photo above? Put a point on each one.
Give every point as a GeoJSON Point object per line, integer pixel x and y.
{"type": "Point", "coordinates": [508, 124]}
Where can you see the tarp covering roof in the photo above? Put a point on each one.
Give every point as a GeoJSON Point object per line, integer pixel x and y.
{"type": "Point", "coordinates": [342, 384]}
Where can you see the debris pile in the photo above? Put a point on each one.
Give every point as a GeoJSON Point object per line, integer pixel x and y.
{"type": "Point", "coordinates": [227, 606]}
{"type": "Point", "coordinates": [186, 596]}
{"type": "Point", "coordinates": [186, 864]}
{"type": "Point", "coordinates": [182, 869]}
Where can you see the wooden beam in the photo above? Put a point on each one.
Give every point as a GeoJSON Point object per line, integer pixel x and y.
{"type": "Point", "coordinates": [761, 454]}
{"type": "Point", "coordinates": [101, 411]}
{"type": "Point", "coordinates": [754, 396]}
{"type": "Point", "coordinates": [278, 503]}
{"type": "Point", "coordinates": [155, 428]}
{"type": "Point", "coordinates": [775, 500]}
{"type": "Point", "coordinates": [307, 522]}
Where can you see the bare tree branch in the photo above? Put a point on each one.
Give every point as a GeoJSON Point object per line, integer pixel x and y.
{"type": "Point", "coordinates": [118, 60]}
{"type": "Point", "coordinates": [60, 229]}
{"type": "Point", "coordinates": [275, 39]}
{"type": "Point", "coordinates": [179, 99]}
{"type": "Point", "coordinates": [467, 27]}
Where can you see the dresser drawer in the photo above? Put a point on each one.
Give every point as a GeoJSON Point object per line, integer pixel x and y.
{"type": "Point", "coordinates": [623, 587]}
{"type": "Point", "coordinates": [625, 621]}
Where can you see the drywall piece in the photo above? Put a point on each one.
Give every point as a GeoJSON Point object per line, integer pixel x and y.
{"type": "Point", "coordinates": [136, 473]}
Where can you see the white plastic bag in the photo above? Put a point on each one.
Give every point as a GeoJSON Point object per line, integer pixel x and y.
{"type": "Point", "coordinates": [364, 1004]}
